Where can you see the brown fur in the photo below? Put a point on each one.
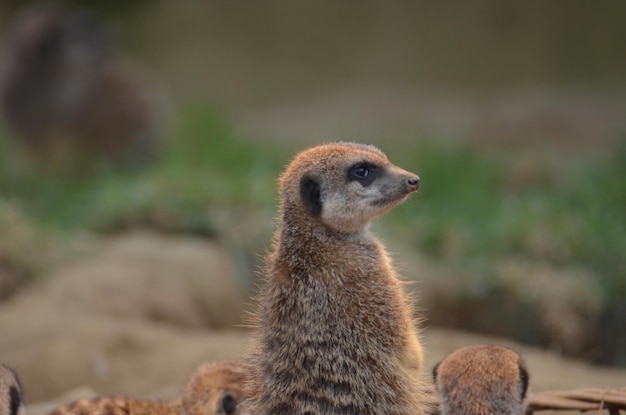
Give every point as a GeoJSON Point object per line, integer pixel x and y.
{"type": "Point", "coordinates": [335, 328]}
{"type": "Point", "coordinates": [214, 389]}
{"type": "Point", "coordinates": [482, 380]}
{"type": "Point", "coordinates": [66, 95]}
{"type": "Point", "coordinates": [11, 395]}
{"type": "Point", "coordinates": [117, 405]}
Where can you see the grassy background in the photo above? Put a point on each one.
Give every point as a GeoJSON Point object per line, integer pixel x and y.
{"type": "Point", "coordinates": [468, 208]}
{"type": "Point", "coordinates": [471, 213]}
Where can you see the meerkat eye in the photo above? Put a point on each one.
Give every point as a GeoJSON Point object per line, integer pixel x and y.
{"type": "Point", "coordinates": [364, 173]}
{"type": "Point", "coordinates": [361, 172]}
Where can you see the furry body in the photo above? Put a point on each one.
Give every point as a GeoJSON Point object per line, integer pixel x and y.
{"type": "Point", "coordinates": [214, 389]}
{"type": "Point", "coordinates": [482, 380]}
{"type": "Point", "coordinates": [336, 333]}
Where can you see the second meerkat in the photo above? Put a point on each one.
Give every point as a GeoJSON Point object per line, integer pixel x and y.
{"type": "Point", "coordinates": [336, 333]}
{"type": "Point", "coordinates": [482, 380]}
{"type": "Point", "coordinates": [11, 395]}
{"type": "Point", "coordinates": [214, 389]}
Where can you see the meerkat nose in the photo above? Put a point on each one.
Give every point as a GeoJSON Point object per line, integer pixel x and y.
{"type": "Point", "coordinates": [413, 183]}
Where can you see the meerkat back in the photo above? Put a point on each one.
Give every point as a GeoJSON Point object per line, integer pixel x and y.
{"type": "Point", "coordinates": [482, 380]}
{"type": "Point", "coordinates": [11, 395]}
{"type": "Point", "coordinates": [335, 329]}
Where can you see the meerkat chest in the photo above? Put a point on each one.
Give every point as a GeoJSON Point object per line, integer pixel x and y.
{"type": "Point", "coordinates": [357, 307]}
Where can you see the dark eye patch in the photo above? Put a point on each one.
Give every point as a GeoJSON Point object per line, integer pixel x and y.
{"type": "Point", "coordinates": [363, 172]}
{"type": "Point", "coordinates": [310, 194]}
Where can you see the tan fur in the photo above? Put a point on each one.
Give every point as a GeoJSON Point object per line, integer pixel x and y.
{"type": "Point", "coordinates": [214, 389]}
{"type": "Point", "coordinates": [335, 328]}
{"type": "Point", "coordinates": [117, 405]}
{"type": "Point", "coordinates": [482, 380]}
{"type": "Point", "coordinates": [11, 395]}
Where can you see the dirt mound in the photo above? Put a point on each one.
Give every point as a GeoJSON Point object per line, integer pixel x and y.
{"type": "Point", "coordinates": [555, 308]}
{"type": "Point", "coordinates": [140, 303]}
{"type": "Point", "coordinates": [186, 282]}
{"type": "Point", "coordinates": [138, 313]}
{"type": "Point", "coordinates": [58, 351]}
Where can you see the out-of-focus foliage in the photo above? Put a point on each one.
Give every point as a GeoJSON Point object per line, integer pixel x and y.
{"type": "Point", "coordinates": [203, 165]}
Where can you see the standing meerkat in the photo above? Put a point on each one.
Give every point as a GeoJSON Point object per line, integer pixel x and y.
{"type": "Point", "coordinates": [214, 389]}
{"type": "Point", "coordinates": [11, 396]}
{"type": "Point", "coordinates": [336, 333]}
{"type": "Point", "coordinates": [482, 380]}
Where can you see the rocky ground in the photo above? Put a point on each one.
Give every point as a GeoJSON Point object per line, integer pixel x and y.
{"type": "Point", "coordinates": [138, 312]}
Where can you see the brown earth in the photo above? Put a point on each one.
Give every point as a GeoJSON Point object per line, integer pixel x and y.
{"type": "Point", "coordinates": [138, 313]}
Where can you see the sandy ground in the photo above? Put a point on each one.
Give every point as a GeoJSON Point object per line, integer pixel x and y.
{"type": "Point", "coordinates": [138, 314]}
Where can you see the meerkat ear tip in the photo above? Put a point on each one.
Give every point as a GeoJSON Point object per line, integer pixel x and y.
{"type": "Point", "coordinates": [15, 397]}
{"type": "Point", "coordinates": [434, 372]}
{"type": "Point", "coordinates": [524, 378]}
{"type": "Point", "coordinates": [310, 194]}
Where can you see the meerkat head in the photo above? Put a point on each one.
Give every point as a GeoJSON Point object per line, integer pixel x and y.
{"type": "Point", "coordinates": [345, 185]}
{"type": "Point", "coordinates": [215, 389]}
{"type": "Point", "coordinates": [11, 398]}
{"type": "Point", "coordinates": [481, 380]}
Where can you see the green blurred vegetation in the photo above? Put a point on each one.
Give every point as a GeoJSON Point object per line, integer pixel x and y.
{"type": "Point", "coordinates": [203, 165]}
{"type": "Point", "coordinates": [466, 212]}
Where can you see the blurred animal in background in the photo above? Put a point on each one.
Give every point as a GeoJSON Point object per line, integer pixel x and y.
{"type": "Point", "coordinates": [69, 98]}
{"type": "Point", "coordinates": [482, 380]}
{"type": "Point", "coordinates": [11, 397]}
{"type": "Point", "coordinates": [215, 388]}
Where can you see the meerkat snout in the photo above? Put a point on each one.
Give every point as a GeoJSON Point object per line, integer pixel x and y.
{"type": "Point", "coordinates": [413, 183]}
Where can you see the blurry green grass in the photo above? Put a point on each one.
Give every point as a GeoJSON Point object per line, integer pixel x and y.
{"type": "Point", "coordinates": [203, 165]}
{"type": "Point", "coordinates": [465, 212]}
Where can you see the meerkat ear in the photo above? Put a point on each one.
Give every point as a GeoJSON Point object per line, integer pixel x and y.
{"type": "Point", "coordinates": [15, 399]}
{"type": "Point", "coordinates": [524, 378]}
{"type": "Point", "coordinates": [228, 404]}
{"type": "Point", "coordinates": [435, 373]}
{"type": "Point", "coordinates": [310, 194]}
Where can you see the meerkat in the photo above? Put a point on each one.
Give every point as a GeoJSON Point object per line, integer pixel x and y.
{"type": "Point", "coordinates": [116, 405]}
{"type": "Point", "coordinates": [482, 380]}
{"type": "Point", "coordinates": [214, 389]}
{"type": "Point", "coordinates": [335, 332]}
{"type": "Point", "coordinates": [11, 395]}
{"type": "Point", "coordinates": [68, 98]}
